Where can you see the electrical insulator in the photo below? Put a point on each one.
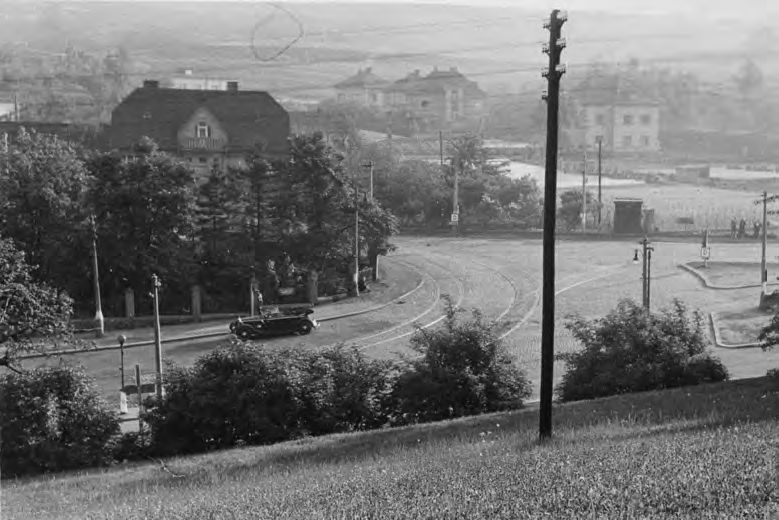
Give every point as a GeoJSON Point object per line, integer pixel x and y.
{"type": "Point", "coordinates": [545, 48]}
{"type": "Point", "coordinates": [561, 68]}
{"type": "Point", "coordinates": [561, 43]}
{"type": "Point", "coordinates": [544, 73]}
{"type": "Point", "coordinates": [547, 24]}
{"type": "Point", "coordinates": [562, 16]}
{"type": "Point", "coordinates": [545, 95]}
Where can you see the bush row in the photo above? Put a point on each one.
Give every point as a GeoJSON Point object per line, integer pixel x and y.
{"type": "Point", "coordinates": [241, 393]}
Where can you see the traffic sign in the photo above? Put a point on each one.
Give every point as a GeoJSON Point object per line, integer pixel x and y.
{"type": "Point", "coordinates": [705, 253]}
{"type": "Point", "coordinates": [455, 217]}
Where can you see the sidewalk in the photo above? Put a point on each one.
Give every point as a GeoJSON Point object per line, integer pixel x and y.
{"type": "Point", "coordinates": [397, 280]}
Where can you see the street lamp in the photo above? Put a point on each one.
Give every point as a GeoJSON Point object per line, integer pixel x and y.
{"type": "Point", "coordinates": [646, 276]}
{"type": "Point", "coordinates": [155, 282]}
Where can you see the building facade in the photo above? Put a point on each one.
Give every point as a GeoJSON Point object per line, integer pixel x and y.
{"type": "Point", "coordinates": [365, 89]}
{"type": "Point", "coordinates": [439, 99]}
{"type": "Point", "coordinates": [623, 126]}
{"type": "Point", "coordinates": [209, 129]}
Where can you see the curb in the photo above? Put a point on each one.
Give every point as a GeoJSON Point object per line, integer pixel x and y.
{"type": "Point", "coordinates": [220, 334]}
{"type": "Point", "coordinates": [706, 282]}
{"type": "Point", "coordinates": [380, 306]}
{"type": "Point", "coordinates": [718, 340]}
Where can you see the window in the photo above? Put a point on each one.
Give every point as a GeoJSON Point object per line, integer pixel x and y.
{"type": "Point", "coordinates": [646, 119]}
{"type": "Point", "coordinates": [599, 119]}
{"type": "Point", "coordinates": [203, 130]}
{"type": "Point", "coordinates": [202, 160]}
{"type": "Point", "coordinates": [147, 115]}
{"type": "Point", "coordinates": [644, 140]}
{"type": "Point", "coordinates": [341, 97]}
{"type": "Point", "coordinates": [424, 103]}
{"type": "Point", "coordinates": [627, 140]}
{"type": "Point", "coordinates": [598, 139]}
{"type": "Point", "coordinates": [627, 119]}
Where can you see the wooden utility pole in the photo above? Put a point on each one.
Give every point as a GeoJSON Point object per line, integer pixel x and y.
{"type": "Point", "coordinates": [584, 191]}
{"type": "Point", "coordinates": [155, 282]}
{"type": "Point", "coordinates": [356, 243]}
{"type": "Point", "coordinates": [455, 219]}
{"type": "Point", "coordinates": [600, 201]}
{"type": "Point", "coordinates": [553, 75]}
{"type": "Point", "coordinates": [763, 273]}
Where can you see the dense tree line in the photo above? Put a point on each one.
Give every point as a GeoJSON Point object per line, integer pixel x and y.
{"type": "Point", "coordinates": [151, 216]}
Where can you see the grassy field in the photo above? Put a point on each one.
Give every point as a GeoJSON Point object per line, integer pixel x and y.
{"type": "Point", "coordinates": [697, 452]}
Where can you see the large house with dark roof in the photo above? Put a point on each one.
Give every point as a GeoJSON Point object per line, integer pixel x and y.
{"type": "Point", "coordinates": [437, 100]}
{"type": "Point", "coordinates": [207, 128]}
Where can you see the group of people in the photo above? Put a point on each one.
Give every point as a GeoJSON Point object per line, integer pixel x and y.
{"type": "Point", "coordinates": [739, 230]}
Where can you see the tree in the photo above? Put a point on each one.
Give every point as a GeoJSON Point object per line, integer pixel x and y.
{"type": "Point", "coordinates": [769, 335]}
{"type": "Point", "coordinates": [316, 206]}
{"type": "Point", "coordinates": [31, 313]}
{"type": "Point", "coordinates": [570, 212]}
{"type": "Point", "coordinates": [144, 209]}
{"type": "Point", "coordinates": [633, 350]}
{"type": "Point", "coordinates": [42, 207]}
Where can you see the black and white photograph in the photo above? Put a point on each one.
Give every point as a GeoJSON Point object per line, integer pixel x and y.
{"type": "Point", "coordinates": [389, 259]}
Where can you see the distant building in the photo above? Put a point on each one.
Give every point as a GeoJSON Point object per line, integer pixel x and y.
{"type": "Point", "coordinates": [7, 111]}
{"type": "Point", "coordinates": [364, 88]}
{"type": "Point", "coordinates": [188, 81]}
{"type": "Point", "coordinates": [629, 125]}
{"type": "Point", "coordinates": [206, 128]}
{"type": "Point", "coordinates": [437, 100]}
{"type": "Point", "coordinates": [443, 96]}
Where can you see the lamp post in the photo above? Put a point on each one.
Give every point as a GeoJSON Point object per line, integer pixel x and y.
{"type": "Point", "coordinates": [646, 276]}
{"type": "Point", "coordinates": [155, 282]}
{"type": "Point", "coordinates": [98, 304]}
{"type": "Point", "coordinates": [122, 395]}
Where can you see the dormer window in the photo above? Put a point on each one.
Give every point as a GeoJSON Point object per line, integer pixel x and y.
{"type": "Point", "coordinates": [202, 129]}
{"type": "Point", "coordinates": [147, 115]}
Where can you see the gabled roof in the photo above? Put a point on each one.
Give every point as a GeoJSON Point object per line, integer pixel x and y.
{"type": "Point", "coordinates": [248, 117]}
{"type": "Point", "coordinates": [437, 81]}
{"type": "Point", "coordinates": [363, 78]}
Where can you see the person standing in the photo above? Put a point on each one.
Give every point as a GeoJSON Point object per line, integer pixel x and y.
{"type": "Point", "coordinates": [742, 228]}
{"type": "Point", "coordinates": [733, 228]}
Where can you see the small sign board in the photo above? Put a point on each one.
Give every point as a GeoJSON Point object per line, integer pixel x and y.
{"type": "Point", "coordinates": [455, 217]}
{"type": "Point", "coordinates": [705, 253]}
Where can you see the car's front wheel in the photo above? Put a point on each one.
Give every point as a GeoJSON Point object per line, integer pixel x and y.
{"type": "Point", "coordinates": [304, 328]}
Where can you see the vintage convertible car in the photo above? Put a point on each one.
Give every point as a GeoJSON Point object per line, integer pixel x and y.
{"type": "Point", "coordinates": [296, 321]}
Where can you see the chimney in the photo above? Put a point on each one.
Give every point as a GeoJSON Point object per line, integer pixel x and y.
{"type": "Point", "coordinates": [151, 83]}
{"type": "Point", "coordinates": [368, 70]}
{"type": "Point", "coordinates": [416, 73]}
{"type": "Point", "coordinates": [232, 86]}
{"type": "Point", "coordinates": [187, 72]}
{"type": "Point", "coordinates": [452, 69]}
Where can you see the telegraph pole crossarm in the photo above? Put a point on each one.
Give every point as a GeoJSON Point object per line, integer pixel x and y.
{"type": "Point", "coordinates": [552, 96]}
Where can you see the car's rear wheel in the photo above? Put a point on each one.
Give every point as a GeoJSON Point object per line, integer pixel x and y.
{"type": "Point", "coordinates": [244, 334]}
{"type": "Point", "coordinates": [304, 328]}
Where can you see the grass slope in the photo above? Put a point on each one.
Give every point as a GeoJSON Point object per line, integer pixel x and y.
{"type": "Point", "coordinates": [698, 452]}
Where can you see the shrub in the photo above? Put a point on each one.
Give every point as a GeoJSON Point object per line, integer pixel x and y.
{"type": "Point", "coordinates": [246, 394]}
{"type": "Point", "coordinates": [53, 419]}
{"type": "Point", "coordinates": [632, 350]}
{"type": "Point", "coordinates": [343, 391]}
{"type": "Point", "coordinates": [464, 369]}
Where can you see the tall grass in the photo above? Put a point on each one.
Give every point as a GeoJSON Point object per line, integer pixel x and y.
{"type": "Point", "coordinates": [697, 452]}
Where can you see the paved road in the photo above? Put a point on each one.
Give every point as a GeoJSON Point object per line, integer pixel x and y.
{"type": "Point", "coordinates": [501, 278]}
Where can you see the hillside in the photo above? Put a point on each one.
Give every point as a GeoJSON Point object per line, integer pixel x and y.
{"type": "Point", "coordinates": [697, 452]}
{"type": "Point", "coordinates": [499, 46]}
